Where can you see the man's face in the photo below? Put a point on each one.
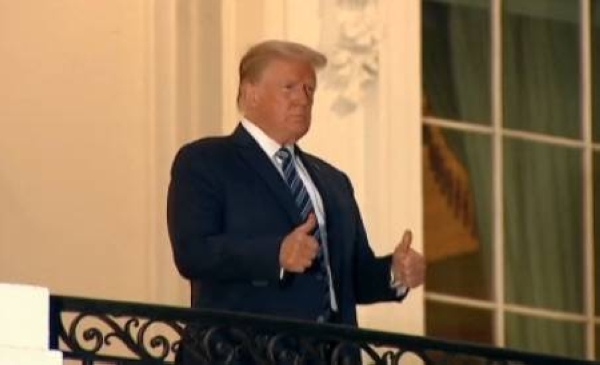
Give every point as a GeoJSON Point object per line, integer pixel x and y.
{"type": "Point", "coordinates": [280, 101]}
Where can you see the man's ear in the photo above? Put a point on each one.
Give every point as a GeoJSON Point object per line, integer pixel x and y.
{"type": "Point", "coordinates": [245, 94]}
{"type": "Point", "coordinates": [249, 94]}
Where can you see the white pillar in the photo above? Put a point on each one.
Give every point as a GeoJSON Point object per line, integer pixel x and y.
{"type": "Point", "coordinates": [24, 324]}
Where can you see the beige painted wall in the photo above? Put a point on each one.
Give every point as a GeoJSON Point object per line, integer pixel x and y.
{"type": "Point", "coordinates": [74, 146]}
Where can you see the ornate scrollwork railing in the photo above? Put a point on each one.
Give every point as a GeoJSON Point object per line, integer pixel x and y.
{"type": "Point", "coordinates": [110, 332]}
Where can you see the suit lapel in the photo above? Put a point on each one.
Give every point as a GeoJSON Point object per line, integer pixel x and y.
{"type": "Point", "coordinates": [253, 155]}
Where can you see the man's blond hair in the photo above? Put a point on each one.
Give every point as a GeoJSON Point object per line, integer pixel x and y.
{"type": "Point", "coordinates": [258, 57]}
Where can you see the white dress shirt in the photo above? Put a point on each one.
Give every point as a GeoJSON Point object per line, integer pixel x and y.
{"type": "Point", "coordinates": [270, 147]}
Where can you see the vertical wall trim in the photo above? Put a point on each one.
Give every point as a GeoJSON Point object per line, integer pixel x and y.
{"type": "Point", "coordinates": [398, 150]}
{"type": "Point", "coordinates": [148, 11]}
{"type": "Point", "coordinates": [150, 24]}
{"type": "Point", "coordinates": [165, 286]}
{"type": "Point", "coordinates": [193, 75]}
{"type": "Point", "coordinates": [229, 56]}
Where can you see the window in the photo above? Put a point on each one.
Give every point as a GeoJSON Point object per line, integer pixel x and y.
{"type": "Point", "coordinates": [511, 170]}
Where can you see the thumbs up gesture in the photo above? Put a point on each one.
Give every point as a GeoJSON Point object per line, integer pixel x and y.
{"type": "Point", "coordinates": [299, 248]}
{"type": "Point", "coordinates": [408, 266]}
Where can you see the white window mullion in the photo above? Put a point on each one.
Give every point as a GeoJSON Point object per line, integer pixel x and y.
{"type": "Point", "coordinates": [497, 187]}
{"type": "Point", "coordinates": [588, 177]}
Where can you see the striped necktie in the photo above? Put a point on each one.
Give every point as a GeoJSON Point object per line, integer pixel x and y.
{"type": "Point", "coordinates": [305, 206]}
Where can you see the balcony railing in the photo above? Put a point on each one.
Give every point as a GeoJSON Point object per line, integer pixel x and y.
{"type": "Point", "coordinates": [94, 331]}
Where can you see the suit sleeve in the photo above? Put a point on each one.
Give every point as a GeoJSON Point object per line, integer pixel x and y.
{"type": "Point", "coordinates": [372, 275]}
{"type": "Point", "coordinates": [201, 248]}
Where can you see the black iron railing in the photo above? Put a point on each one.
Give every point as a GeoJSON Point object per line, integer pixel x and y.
{"type": "Point", "coordinates": [109, 332]}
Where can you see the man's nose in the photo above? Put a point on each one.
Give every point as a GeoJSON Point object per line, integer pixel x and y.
{"type": "Point", "coordinates": [305, 95]}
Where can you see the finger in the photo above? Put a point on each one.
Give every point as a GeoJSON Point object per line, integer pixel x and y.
{"type": "Point", "coordinates": [414, 281]}
{"type": "Point", "coordinates": [413, 277]}
{"type": "Point", "coordinates": [298, 263]}
{"type": "Point", "coordinates": [312, 245]}
{"type": "Point", "coordinates": [406, 241]}
{"type": "Point", "coordinates": [309, 225]}
{"type": "Point", "coordinates": [307, 263]}
{"type": "Point", "coordinates": [310, 249]}
{"type": "Point", "coordinates": [300, 268]}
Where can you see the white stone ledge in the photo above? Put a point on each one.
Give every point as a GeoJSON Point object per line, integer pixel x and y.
{"type": "Point", "coordinates": [24, 316]}
{"type": "Point", "coordinates": [20, 356]}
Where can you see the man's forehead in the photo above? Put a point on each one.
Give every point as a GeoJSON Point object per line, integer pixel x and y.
{"type": "Point", "coordinates": [291, 68]}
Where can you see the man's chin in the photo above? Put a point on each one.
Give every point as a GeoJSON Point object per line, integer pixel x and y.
{"type": "Point", "coordinates": [299, 133]}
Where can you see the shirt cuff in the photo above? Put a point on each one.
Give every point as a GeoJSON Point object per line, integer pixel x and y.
{"type": "Point", "coordinates": [400, 288]}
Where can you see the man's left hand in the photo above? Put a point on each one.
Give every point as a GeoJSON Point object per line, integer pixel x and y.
{"type": "Point", "coordinates": [408, 266]}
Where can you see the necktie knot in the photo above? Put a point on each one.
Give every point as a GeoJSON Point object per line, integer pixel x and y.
{"type": "Point", "coordinates": [284, 154]}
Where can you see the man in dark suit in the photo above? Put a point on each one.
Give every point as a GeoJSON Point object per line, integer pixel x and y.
{"type": "Point", "coordinates": [260, 226]}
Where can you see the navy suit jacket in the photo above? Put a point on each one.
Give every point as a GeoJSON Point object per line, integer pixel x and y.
{"type": "Point", "coordinates": [228, 212]}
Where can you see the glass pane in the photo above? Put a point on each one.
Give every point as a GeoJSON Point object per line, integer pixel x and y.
{"type": "Point", "coordinates": [543, 225]}
{"type": "Point", "coordinates": [596, 68]}
{"type": "Point", "coordinates": [544, 335]}
{"type": "Point", "coordinates": [541, 66]}
{"type": "Point", "coordinates": [456, 59]}
{"type": "Point", "coordinates": [455, 322]}
{"type": "Point", "coordinates": [457, 204]}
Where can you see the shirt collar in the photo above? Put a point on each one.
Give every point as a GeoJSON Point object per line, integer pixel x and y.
{"type": "Point", "coordinates": [269, 145]}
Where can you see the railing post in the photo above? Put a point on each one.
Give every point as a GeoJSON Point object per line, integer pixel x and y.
{"type": "Point", "coordinates": [54, 320]}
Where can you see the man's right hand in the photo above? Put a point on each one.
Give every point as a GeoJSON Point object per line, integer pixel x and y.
{"type": "Point", "coordinates": [299, 248]}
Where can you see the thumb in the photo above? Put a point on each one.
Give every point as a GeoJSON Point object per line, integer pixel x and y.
{"type": "Point", "coordinates": [406, 242]}
{"type": "Point", "coordinates": [309, 225]}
